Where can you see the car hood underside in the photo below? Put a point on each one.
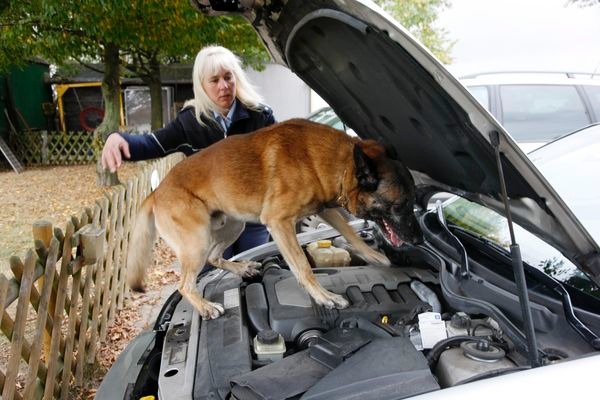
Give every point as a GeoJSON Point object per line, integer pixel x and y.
{"type": "Point", "coordinates": [386, 86]}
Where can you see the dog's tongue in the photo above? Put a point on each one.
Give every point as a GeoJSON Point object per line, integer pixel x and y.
{"type": "Point", "coordinates": [394, 239]}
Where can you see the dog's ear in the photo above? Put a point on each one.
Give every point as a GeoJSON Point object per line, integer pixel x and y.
{"type": "Point", "coordinates": [365, 170]}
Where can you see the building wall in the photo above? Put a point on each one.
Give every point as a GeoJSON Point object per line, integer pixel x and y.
{"type": "Point", "coordinates": [287, 94]}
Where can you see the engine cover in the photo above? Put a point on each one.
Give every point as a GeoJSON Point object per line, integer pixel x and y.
{"type": "Point", "coordinates": [372, 292]}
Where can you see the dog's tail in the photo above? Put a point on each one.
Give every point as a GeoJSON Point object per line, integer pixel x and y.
{"type": "Point", "coordinates": [141, 245]}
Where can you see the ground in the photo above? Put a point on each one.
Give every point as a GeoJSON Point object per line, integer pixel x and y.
{"type": "Point", "coordinates": [49, 193]}
{"type": "Point", "coordinates": [54, 194]}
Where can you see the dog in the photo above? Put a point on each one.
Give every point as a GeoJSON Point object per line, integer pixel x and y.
{"type": "Point", "coordinates": [275, 176]}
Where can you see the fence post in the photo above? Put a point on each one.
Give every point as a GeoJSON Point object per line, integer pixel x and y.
{"type": "Point", "coordinates": [34, 357]}
{"type": "Point", "coordinates": [18, 334]}
{"type": "Point", "coordinates": [101, 221]}
{"type": "Point", "coordinates": [3, 294]}
{"type": "Point", "coordinates": [44, 150]}
{"type": "Point", "coordinates": [42, 231]}
{"type": "Point", "coordinates": [59, 310]}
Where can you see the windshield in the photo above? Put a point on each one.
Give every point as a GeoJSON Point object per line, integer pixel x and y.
{"type": "Point", "coordinates": [570, 165]}
{"type": "Point", "coordinates": [328, 117]}
{"type": "Point", "coordinates": [486, 223]}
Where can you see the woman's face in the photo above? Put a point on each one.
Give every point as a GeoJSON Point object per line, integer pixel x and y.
{"type": "Point", "coordinates": [220, 88]}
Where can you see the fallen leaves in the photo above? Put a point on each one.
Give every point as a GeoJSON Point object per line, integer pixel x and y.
{"type": "Point", "coordinates": [124, 328]}
{"type": "Point", "coordinates": [48, 193]}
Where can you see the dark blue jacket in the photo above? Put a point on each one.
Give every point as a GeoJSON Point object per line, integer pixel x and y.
{"type": "Point", "coordinates": [185, 134]}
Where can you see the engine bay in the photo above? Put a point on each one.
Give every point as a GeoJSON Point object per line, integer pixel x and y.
{"type": "Point", "coordinates": [410, 328]}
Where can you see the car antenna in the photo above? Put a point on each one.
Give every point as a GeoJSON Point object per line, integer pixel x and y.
{"type": "Point", "coordinates": [517, 262]}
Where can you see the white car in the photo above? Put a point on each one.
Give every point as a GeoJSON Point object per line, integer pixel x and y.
{"type": "Point", "coordinates": [458, 316]}
{"type": "Point", "coordinates": [538, 107]}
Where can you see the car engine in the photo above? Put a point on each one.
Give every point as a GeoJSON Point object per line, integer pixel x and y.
{"type": "Point", "coordinates": [398, 337]}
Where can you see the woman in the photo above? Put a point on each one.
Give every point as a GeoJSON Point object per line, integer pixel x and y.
{"type": "Point", "coordinates": [224, 103]}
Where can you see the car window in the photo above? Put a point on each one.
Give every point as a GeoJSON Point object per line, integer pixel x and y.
{"type": "Point", "coordinates": [541, 113]}
{"type": "Point", "coordinates": [328, 117]}
{"type": "Point", "coordinates": [481, 94]}
{"type": "Point", "coordinates": [593, 93]}
{"type": "Point", "coordinates": [492, 226]}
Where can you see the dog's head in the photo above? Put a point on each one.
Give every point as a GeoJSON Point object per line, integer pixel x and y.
{"type": "Point", "coordinates": [386, 193]}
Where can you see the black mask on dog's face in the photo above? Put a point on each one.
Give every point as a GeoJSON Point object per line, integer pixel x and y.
{"type": "Point", "coordinates": [387, 197]}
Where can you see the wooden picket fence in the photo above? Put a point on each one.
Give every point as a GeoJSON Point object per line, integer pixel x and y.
{"type": "Point", "coordinates": [72, 284]}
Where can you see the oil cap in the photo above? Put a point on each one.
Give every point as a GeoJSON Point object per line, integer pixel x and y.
{"type": "Point", "coordinates": [267, 336]}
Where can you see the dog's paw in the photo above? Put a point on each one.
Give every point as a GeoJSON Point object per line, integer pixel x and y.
{"type": "Point", "coordinates": [374, 257]}
{"type": "Point", "coordinates": [248, 268]}
{"type": "Point", "coordinates": [331, 300]}
{"type": "Point", "coordinates": [211, 310]}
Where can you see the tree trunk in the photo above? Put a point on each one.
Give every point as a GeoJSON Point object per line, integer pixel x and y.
{"type": "Point", "coordinates": [111, 93]}
{"type": "Point", "coordinates": [155, 84]}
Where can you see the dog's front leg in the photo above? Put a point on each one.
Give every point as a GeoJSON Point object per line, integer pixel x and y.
{"type": "Point", "coordinates": [283, 234]}
{"type": "Point", "coordinates": [335, 219]}
{"type": "Point", "coordinates": [225, 234]}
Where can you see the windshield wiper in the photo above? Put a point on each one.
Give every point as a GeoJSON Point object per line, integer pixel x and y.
{"type": "Point", "coordinates": [480, 238]}
{"type": "Point", "coordinates": [577, 325]}
{"type": "Point", "coordinates": [458, 246]}
{"type": "Point", "coordinates": [550, 282]}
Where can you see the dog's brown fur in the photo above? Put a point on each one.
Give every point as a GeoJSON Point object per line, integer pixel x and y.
{"type": "Point", "coordinates": [274, 176]}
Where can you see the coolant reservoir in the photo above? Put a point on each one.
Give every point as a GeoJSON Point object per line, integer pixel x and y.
{"type": "Point", "coordinates": [324, 254]}
{"type": "Point", "coordinates": [458, 365]}
{"type": "Point", "coordinates": [269, 345]}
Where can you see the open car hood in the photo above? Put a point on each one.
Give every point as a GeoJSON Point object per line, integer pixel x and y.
{"type": "Point", "coordinates": [386, 86]}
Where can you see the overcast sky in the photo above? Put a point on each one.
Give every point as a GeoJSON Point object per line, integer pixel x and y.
{"type": "Point", "coordinates": [544, 35]}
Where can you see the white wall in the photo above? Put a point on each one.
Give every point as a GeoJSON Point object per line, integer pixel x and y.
{"type": "Point", "coordinates": [287, 94]}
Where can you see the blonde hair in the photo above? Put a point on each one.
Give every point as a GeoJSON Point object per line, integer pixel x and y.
{"type": "Point", "coordinates": [208, 62]}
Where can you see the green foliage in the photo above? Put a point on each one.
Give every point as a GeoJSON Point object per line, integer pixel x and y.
{"type": "Point", "coordinates": [145, 34]}
{"type": "Point", "coordinates": [173, 31]}
{"type": "Point", "coordinates": [419, 17]}
{"type": "Point", "coordinates": [77, 30]}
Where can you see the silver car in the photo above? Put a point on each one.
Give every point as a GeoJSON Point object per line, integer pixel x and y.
{"type": "Point", "coordinates": [481, 309]}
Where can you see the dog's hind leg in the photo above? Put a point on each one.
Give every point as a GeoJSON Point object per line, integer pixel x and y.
{"type": "Point", "coordinates": [335, 219]}
{"type": "Point", "coordinates": [225, 231]}
{"type": "Point", "coordinates": [187, 231]}
{"type": "Point", "coordinates": [283, 234]}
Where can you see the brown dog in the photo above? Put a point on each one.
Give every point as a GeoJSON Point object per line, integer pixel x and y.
{"type": "Point", "coordinates": [275, 176]}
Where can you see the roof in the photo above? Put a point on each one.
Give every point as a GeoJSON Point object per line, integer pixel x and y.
{"type": "Point", "coordinates": [170, 74]}
{"type": "Point", "coordinates": [531, 77]}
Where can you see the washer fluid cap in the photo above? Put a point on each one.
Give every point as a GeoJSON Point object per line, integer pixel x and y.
{"type": "Point", "coordinates": [482, 351]}
{"type": "Point", "coordinates": [324, 243]}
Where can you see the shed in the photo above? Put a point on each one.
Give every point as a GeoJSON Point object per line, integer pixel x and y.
{"type": "Point", "coordinates": [23, 92]}
{"type": "Point", "coordinates": [80, 104]}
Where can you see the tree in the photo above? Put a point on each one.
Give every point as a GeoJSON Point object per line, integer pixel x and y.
{"type": "Point", "coordinates": [419, 17]}
{"type": "Point", "coordinates": [67, 30]}
{"type": "Point", "coordinates": [140, 34]}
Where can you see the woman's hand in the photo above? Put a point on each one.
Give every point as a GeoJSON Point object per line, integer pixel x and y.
{"type": "Point", "coordinates": [113, 152]}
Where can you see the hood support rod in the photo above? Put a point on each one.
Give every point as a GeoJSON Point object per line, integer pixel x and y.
{"type": "Point", "coordinates": [517, 262]}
